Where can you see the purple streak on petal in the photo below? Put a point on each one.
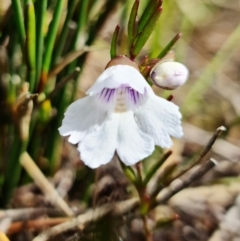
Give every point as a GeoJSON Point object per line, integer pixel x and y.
{"type": "Point", "coordinates": [102, 92]}
{"type": "Point", "coordinates": [137, 95]}
{"type": "Point", "coordinates": [130, 93]}
{"type": "Point", "coordinates": [106, 93]}
{"type": "Point", "coordinates": [134, 97]}
{"type": "Point", "coordinates": [110, 94]}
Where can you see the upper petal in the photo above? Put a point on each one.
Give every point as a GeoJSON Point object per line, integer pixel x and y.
{"type": "Point", "coordinates": [98, 147]}
{"type": "Point", "coordinates": [133, 144]}
{"type": "Point", "coordinates": [160, 119]}
{"type": "Point", "coordinates": [117, 75]}
{"type": "Point", "coordinates": [81, 117]}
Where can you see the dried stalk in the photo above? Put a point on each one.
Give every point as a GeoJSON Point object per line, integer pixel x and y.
{"type": "Point", "coordinates": [179, 184]}
{"type": "Point", "coordinates": [42, 182]}
{"type": "Point", "coordinates": [26, 213]}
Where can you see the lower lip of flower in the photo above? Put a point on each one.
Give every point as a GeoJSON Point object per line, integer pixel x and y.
{"type": "Point", "coordinates": [122, 99]}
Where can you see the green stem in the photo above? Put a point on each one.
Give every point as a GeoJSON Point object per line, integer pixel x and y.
{"type": "Point", "coordinates": [30, 43]}
{"type": "Point", "coordinates": [18, 14]}
{"type": "Point", "coordinates": [13, 171]}
{"type": "Point", "coordinates": [52, 33]}
{"type": "Point", "coordinates": [63, 35]}
{"type": "Point", "coordinates": [40, 18]}
{"type": "Point", "coordinates": [155, 167]}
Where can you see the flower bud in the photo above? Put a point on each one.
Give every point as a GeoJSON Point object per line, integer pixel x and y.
{"type": "Point", "coordinates": [169, 75]}
{"type": "Point", "coordinates": [122, 60]}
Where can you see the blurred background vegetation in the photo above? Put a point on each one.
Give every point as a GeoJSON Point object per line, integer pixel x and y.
{"type": "Point", "coordinates": [42, 44]}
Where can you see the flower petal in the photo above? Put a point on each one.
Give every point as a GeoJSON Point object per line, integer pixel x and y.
{"type": "Point", "coordinates": [133, 144]}
{"type": "Point", "coordinates": [81, 117]}
{"type": "Point", "coordinates": [98, 147]}
{"type": "Point", "coordinates": [160, 119]}
{"type": "Point", "coordinates": [117, 75]}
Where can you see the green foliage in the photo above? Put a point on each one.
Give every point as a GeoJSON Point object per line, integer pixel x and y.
{"type": "Point", "coordinates": [52, 38]}
{"type": "Point", "coordinates": [39, 45]}
{"type": "Point", "coordinates": [113, 50]}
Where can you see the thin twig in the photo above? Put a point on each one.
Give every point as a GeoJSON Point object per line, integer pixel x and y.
{"type": "Point", "coordinates": [210, 143]}
{"type": "Point", "coordinates": [38, 224]}
{"type": "Point", "coordinates": [202, 154]}
{"type": "Point", "coordinates": [179, 184]}
{"type": "Point", "coordinates": [221, 147]}
{"type": "Point", "coordinates": [27, 213]}
{"type": "Point", "coordinates": [67, 60]}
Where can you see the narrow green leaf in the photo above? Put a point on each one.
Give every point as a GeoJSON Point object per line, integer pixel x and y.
{"type": "Point", "coordinates": [148, 12]}
{"type": "Point", "coordinates": [169, 46]}
{"type": "Point", "coordinates": [145, 34]}
{"type": "Point", "coordinates": [163, 178]}
{"type": "Point", "coordinates": [154, 168]}
{"type": "Point", "coordinates": [58, 51]}
{"type": "Point", "coordinates": [12, 173]}
{"type": "Point", "coordinates": [128, 171]}
{"type": "Point", "coordinates": [132, 24]}
{"type": "Point", "coordinates": [81, 25]}
{"type": "Point", "coordinates": [30, 24]}
{"type": "Point", "coordinates": [83, 15]}
{"type": "Point", "coordinates": [51, 36]}
{"type": "Point", "coordinates": [108, 7]}
{"type": "Point", "coordinates": [40, 17]}
{"type": "Point", "coordinates": [18, 14]}
{"type": "Point", "coordinates": [113, 50]}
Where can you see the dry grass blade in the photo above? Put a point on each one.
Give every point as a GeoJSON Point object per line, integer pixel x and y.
{"type": "Point", "coordinates": [42, 182]}
{"type": "Point", "coordinates": [187, 166]}
{"type": "Point", "coordinates": [67, 60]}
{"type": "Point", "coordinates": [38, 224]}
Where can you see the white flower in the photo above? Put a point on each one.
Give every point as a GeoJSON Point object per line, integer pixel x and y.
{"type": "Point", "coordinates": [169, 75]}
{"type": "Point", "coordinates": [121, 113]}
